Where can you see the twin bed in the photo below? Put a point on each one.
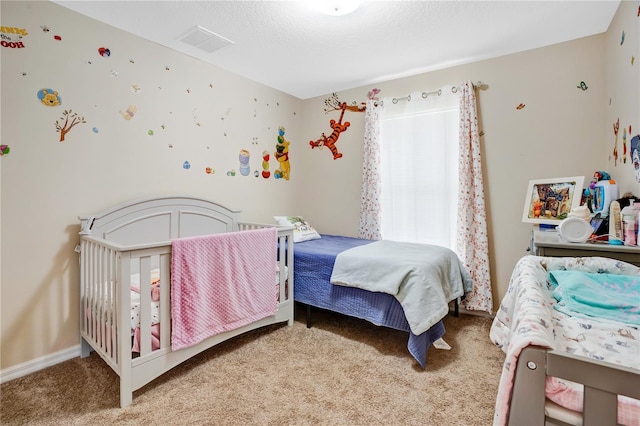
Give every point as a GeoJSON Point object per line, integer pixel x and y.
{"type": "Point", "coordinates": [569, 329]}
{"type": "Point", "coordinates": [147, 303]}
{"type": "Point", "coordinates": [314, 273]}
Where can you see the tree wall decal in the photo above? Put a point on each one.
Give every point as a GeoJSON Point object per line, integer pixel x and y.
{"type": "Point", "coordinates": [70, 119]}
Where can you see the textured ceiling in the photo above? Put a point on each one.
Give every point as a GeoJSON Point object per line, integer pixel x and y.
{"type": "Point", "coordinates": [291, 47]}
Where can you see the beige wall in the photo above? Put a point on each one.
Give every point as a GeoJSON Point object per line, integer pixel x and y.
{"type": "Point", "coordinates": [556, 134]}
{"type": "Point", "coordinates": [622, 83]}
{"type": "Point", "coordinates": [47, 184]}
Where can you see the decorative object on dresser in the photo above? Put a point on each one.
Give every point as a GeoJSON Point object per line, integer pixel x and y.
{"type": "Point", "coordinates": [575, 230]}
{"type": "Point", "coordinates": [549, 201]}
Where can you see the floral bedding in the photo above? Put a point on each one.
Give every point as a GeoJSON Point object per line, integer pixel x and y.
{"type": "Point", "coordinates": [527, 317]}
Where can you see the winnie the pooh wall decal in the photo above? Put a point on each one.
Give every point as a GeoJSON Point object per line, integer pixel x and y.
{"type": "Point", "coordinates": [12, 37]}
{"type": "Point", "coordinates": [282, 155]}
{"type": "Point", "coordinates": [49, 97]}
{"type": "Point", "coordinates": [244, 157]}
{"type": "Point", "coordinates": [333, 103]}
{"type": "Point", "coordinates": [265, 164]}
{"type": "Point", "coordinates": [129, 113]}
{"type": "Point", "coordinates": [71, 119]}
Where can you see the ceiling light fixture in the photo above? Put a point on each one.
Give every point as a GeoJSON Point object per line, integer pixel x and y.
{"type": "Point", "coordinates": [335, 7]}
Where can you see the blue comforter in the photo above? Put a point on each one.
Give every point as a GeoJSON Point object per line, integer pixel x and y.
{"type": "Point", "coordinates": [313, 265]}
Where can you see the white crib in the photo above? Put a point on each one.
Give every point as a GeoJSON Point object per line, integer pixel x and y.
{"type": "Point", "coordinates": [135, 238]}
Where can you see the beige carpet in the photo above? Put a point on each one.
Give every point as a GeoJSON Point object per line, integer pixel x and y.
{"type": "Point", "coordinates": [342, 371]}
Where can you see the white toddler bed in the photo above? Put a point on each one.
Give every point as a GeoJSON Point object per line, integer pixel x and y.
{"type": "Point", "coordinates": [569, 328]}
{"type": "Point", "coordinates": [129, 247]}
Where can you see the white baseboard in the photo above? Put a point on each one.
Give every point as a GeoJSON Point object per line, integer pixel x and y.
{"type": "Point", "coordinates": [38, 364]}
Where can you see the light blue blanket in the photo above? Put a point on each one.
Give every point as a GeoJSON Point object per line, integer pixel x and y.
{"type": "Point", "coordinates": [423, 278]}
{"type": "Point", "coordinates": [609, 296]}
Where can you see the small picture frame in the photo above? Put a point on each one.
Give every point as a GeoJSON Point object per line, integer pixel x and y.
{"type": "Point", "coordinates": [549, 201]}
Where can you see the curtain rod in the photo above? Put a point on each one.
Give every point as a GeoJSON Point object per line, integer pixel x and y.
{"type": "Point", "coordinates": [438, 92]}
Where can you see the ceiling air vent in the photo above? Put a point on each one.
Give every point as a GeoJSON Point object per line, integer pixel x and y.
{"type": "Point", "coordinates": [204, 39]}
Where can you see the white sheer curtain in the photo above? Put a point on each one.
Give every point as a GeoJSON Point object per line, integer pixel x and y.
{"type": "Point", "coordinates": [419, 151]}
{"type": "Point", "coordinates": [441, 151]}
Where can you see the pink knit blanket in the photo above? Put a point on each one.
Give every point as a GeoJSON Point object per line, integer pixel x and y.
{"type": "Point", "coordinates": [221, 282]}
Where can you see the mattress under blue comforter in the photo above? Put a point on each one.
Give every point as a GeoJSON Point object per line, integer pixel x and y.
{"type": "Point", "coordinates": [313, 264]}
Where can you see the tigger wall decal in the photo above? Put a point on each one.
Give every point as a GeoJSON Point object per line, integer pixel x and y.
{"type": "Point", "coordinates": [338, 127]}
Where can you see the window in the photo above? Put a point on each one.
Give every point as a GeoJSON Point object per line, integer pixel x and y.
{"type": "Point", "coordinates": [419, 169]}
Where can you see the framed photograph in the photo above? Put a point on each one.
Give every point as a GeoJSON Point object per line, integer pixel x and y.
{"type": "Point", "coordinates": [549, 201]}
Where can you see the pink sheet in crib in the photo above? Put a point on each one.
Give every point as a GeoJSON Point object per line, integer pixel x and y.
{"type": "Point", "coordinates": [220, 282]}
{"type": "Point", "coordinates": [155, 338]}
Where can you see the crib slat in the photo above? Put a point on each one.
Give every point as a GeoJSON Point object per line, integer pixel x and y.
{"type": "Point", "coordinates": [110, 301]}
{"type": "Point", "coordinates": [165, 306]}
{"type": "Point", "coordinates": [600, 407]}
{"type": "Point", "coordinates": [84, 320]}
{"type": "Point", "coordinates": [282, 275]}
{"type": "Point", "coordinates": [123, 319]}
{"type": "Point", "coordinates": [115, 303]}
{"type": "Point", "coordinates": [83, 287]}
{"type": "Point", "coordinates": [102, 299]}
{"type": "Point", "coordinates": [92, 295]}
{"type": "Point", "coordinates": [145, 305]}
{"type": "Point", "coordinates": [101, 310]}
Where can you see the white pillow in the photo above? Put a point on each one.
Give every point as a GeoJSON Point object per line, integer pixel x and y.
{"type": "Point", "coordinates": [302, 230]}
